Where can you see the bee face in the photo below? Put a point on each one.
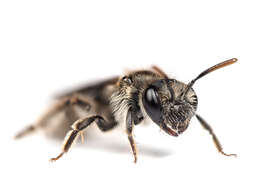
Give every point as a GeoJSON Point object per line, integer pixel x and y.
{"type": "Point", "coordinates": [168, 106]}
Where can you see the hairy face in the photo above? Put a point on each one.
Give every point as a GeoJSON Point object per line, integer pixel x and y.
{"type": "Point", "coordinates": [168, 106]}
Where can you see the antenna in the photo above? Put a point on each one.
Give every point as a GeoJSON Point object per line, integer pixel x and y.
{"type": "Point", "coordinates": [209, 70]}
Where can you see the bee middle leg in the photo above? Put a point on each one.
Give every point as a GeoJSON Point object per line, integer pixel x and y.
{"type": "Point", "coordinates": [78, 127]}
{"type": "Point", "coordinates": [215, 139]}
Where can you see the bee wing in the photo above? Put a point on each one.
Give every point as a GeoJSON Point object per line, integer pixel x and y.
{"type": "Point", "coordinates": [92, 89]}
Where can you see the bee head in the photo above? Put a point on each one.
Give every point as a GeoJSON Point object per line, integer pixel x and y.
{"type": "Point", "coordinates": [171, 104]}
{"type": "Point", "coordinates": [168, 106]}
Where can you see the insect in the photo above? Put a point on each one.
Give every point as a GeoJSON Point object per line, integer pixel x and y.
{"type": "Point", "coordinates": [130, 99]}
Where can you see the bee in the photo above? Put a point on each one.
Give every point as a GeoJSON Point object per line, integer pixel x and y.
{"type": "Point", "coordinates": [128, 100]}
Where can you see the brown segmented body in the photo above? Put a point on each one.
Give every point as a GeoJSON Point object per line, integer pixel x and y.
{"type": "Point", "coordinates": [129, 100]}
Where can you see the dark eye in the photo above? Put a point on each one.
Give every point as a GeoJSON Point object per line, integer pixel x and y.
{"type": "Point", "coordinates": [128, 80]}
{"type": "Point", "coordinates": [152, 104]}
{"type": "Point", "coordinates": [151, 97]}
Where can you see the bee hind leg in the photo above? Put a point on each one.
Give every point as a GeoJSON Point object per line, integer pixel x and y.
{"type": "Point", "coordinates": [52, 111]}
{"type": "Point", "coordinates": [27, 130]}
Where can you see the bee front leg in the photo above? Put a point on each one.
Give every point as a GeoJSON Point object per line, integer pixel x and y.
{"type": "Point", "coordinates": [215, 139]}
{"type": "Point", "coordinates": [160, 71]}
{"type": "Point", "coordinates": [129, 130]}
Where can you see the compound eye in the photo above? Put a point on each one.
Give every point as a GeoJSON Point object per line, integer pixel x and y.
{"type": "Point", "coordinates": [152, 104]}
{"type": "Point", "coordinates": [151, 97]}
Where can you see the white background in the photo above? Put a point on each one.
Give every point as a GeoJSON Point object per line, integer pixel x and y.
{"type": "Point", "coordinates": [48, 46]}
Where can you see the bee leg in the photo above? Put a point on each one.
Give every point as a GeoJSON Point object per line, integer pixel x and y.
{"type": "Point", "coordinates": [52, 111]}
{"type": "Point", "coordinates": [27, 130]}
{"type": "Point", "coordinates": [160, 71]}
{"type": "Point", "coordinates": [215, 139]}
{"type": "Point", "coordinates": [129, 130]}
{"type": "Point", "coordinates": [78, 127]}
